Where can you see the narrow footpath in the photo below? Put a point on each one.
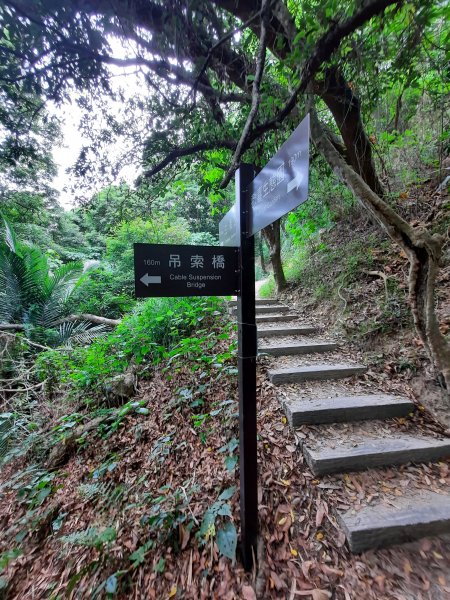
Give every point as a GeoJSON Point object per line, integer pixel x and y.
{"type": "Point", "coordinates": [344, 423]}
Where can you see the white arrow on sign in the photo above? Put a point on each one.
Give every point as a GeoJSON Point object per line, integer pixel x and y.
{"type": "Point", "coordinates": [150, 279]}
{"type": "Point", "coordinates": [294, 183]}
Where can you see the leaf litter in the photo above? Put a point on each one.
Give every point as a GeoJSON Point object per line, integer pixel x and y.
{"type": "Point", "coordinates": [163, 472]}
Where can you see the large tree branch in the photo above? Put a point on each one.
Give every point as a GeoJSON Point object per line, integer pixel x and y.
{"type": "Point", "coordinates": [321, 53]}
{"type": "Point", "coordinates": [224, 39]}
{"type": "Point", "coordinates": [87, 317]}
{"type": "Point", "coordinates": [323, 50]}
{"type": "Point", "coordinates": [277, 28]}
{"type": "Point", "coordinates": [188, 151]}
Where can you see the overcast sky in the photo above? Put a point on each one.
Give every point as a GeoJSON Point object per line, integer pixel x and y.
{"type": "Point", "coordinates": [70, 116]}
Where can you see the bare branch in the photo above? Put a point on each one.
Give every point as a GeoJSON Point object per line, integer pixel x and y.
{"type": "Point", "coordinates": [256, 95]}
{"type": "Point", "coordinates": [14, 335]}
{"type": "Point", "coordinates": [87, 317]}
{"type": "Point", "coordinates": [70, 318]}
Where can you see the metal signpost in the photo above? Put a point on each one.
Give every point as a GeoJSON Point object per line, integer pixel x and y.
{"type": "Point", "coordinates": [247, 351]}
{"type": "Point", "coordinates": [173, 270]}
{"type": "Point", "coordinates": [280, 187]}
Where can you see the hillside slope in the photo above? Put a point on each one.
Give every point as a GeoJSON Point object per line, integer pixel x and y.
{"type": "Point", "coordinates": [355, 282]}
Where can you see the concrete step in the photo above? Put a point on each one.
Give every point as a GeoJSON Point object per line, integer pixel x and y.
{"type": "Point", "coordinates": [286, 331]}
{"type": "Point", "coordinates": [298, 348]}
{"type": "Point", "coordinates": [422, 515]}
{"type": "Point", "coordinates": [276, 308]}
{"type": "Point", "coordinates": [343, 409]}
{"type": "Point", "coordinates": [275, 318]}
{"type": "Point", "coordinates": [258, 302]}
{"type": "Point", "coordinates": [314, 372]}
{"type": "Point", "coordinates": [378, 452]}
{"type": "Point", "coordinates": [266, 310]}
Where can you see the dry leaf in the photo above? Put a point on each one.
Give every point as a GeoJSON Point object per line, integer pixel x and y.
{"type": "Point", "coordinates": [321, 512]}
{"type": "Point", "coordinates": [321, 595]}
{"type": "Point", "coordinates": [316, 594]}
{"type": "Point", "coordinates": [331, 571]}
{"type": "Point", "coordinates": [248, 593]}
{"type": "Point", "coordinates": [278, 583]}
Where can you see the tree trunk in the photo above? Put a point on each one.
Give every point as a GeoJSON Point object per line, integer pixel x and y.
{"type": "Point", "coordinates": [345, 108]}
{"type": "Point", "coordinates": [272, 236]}
{"type": "Point", "coordinates": [261, 253]}
{"type": "Point", "coordinates": [422, 249]}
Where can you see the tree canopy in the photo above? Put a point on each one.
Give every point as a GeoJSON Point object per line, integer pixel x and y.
{"type": "Point", "coordinates": [229, 80]}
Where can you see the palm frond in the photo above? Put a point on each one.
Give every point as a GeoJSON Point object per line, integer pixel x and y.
{"type": "Point", "coordinates": [35, 281]}
{"type": "Point", "coordinates": [59, 288]}
{"type": "Point", "coordinates": [79, 333]}
{"type": "Point", "coordinates": [9, 237]}
{"type": "Point", "coordinates": [66, 277]}
{"type": "Point", "coordinates": [11, 272]}
{"type": "Point", "coordinates": [32, 295]}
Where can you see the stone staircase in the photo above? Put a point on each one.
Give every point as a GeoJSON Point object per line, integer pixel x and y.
{"type": "Point", "coordinates": [305, 359]}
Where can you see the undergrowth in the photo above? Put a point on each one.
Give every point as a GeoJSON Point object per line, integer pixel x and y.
{"type": "Point", "coordinates": [68, 380]}
{"type": "Point", "coordinates": [120, 474]}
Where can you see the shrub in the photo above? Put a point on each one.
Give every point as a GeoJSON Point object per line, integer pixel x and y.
{"type": "Point", "coordinates": [152, 330]}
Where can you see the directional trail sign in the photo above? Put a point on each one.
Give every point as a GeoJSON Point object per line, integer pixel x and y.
{"type": "Point", "coordinates": [169, 270]}
{"type": "Point", "coordinates": [174, 270]}
{"type": "Point", "coordinates": [283, 183]}
{"type": "Point", "coordinates": [280, 187]}
{"type": "Point", "coordinates": [229, 228]}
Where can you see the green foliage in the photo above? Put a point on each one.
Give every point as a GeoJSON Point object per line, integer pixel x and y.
{"type": "Point", "coordinates": [31, 293]}
{"type": "Point", "coordinates": [157, 327]}
{"type": "Point", "coordinates": [109, 289]}
{"type": "Point", "coordinates": [343, 262]}
{"type": "Point", "coordinates": [203, 238]}
{"type": "Point", "coordinates": [104, 291]}
{"type": "Point", "coordinates": [90, 537]}
{"type": "Point", "coordinates": [267, 290]}
{"type": "Point", "coordinates": [168, 510]}
{"type": "Point", "coordinates": [160, 229]}
{"type": "Point", "coordinates": [227, 540]}
{"type": "Point", "coordinates": [307, 220]}
{"type": "Point", "coordinates": [226, 534]}
{"type": "Point", "coordinates": [229, 449]}
{"type": "Point", "coordinates": [17, 431]}
{"type": "Point", "coordinates": [187, 199]}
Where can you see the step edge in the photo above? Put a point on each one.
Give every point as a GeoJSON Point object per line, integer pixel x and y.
{"type": "Point", "coordinates": [300, 345]}
{"type": "Point", "coordinates": [390, 401]}
{"type": "Point", "coordinates": [438, 444]}
{"type": "Point", "coordinates": [313, 369]}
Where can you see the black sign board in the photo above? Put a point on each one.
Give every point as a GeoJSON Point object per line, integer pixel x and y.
{"type": "Point", "coordinates": [174, 270]}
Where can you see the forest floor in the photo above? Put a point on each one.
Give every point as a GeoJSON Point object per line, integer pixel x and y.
{"type": "Point", "coordinates": [126, 516]}
{"type": "Point", "coordinates": [163, 465]}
